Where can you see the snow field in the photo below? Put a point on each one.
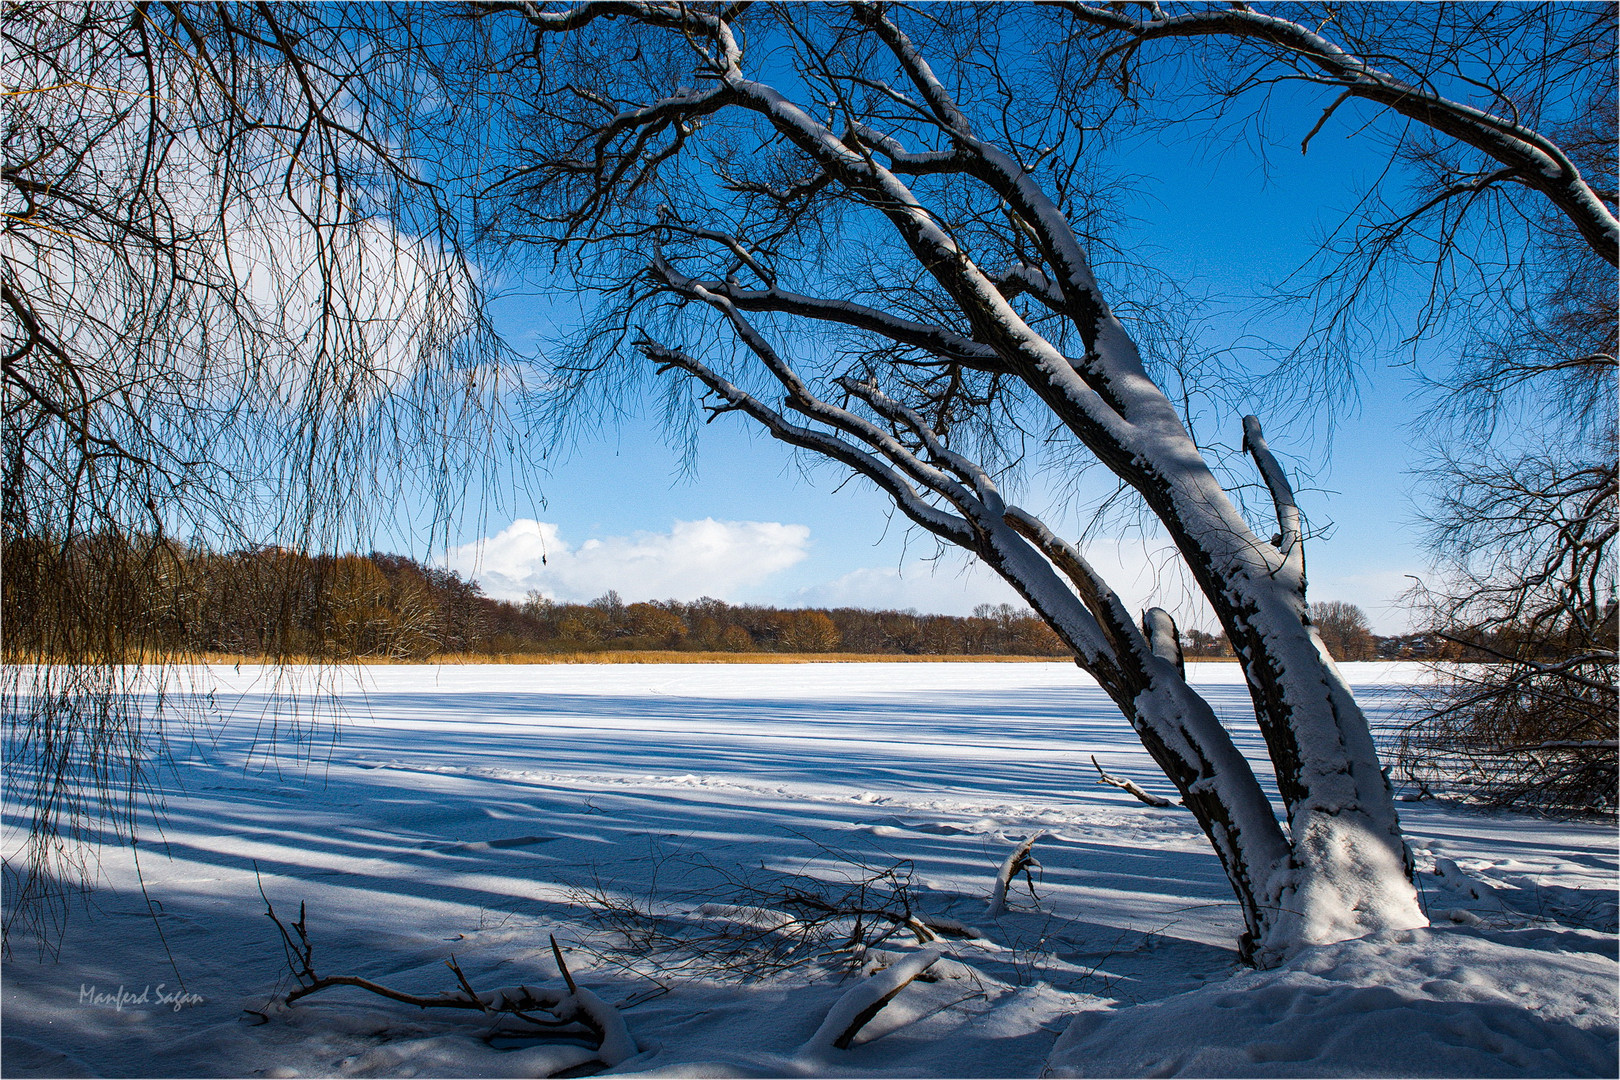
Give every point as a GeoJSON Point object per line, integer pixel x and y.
{"type": "Point", "coordinates": [471, 811]}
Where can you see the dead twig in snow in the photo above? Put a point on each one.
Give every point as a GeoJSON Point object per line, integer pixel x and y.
{"type": "Point", "coordinates": [562, 967]}
{"type": "Point", "coordinates": [730, 923]}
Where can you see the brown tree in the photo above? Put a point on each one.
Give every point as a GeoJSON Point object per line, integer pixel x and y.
{"type": "Point", "coordinates": [808, 631]}
{"type": "Point", "coordinates": [1345, 631]}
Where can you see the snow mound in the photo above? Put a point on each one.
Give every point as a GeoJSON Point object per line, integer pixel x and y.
{"type": "Point", "coordinates": [1437, 1002]}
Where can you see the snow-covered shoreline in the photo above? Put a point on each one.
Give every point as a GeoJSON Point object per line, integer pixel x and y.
{"type": "Point", "coordinates": [467, 809]}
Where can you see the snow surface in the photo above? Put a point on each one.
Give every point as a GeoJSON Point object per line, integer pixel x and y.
{"type": "Point", "coordinates": [471, 811]}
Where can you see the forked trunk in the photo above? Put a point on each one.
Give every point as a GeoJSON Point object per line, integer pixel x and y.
{"type": "Point", "coordinates": [1351, 872]}
{"type": "Point", "coordinates": [1336, 867]}
{"type": "Point", "coordinates": [1336, 870]}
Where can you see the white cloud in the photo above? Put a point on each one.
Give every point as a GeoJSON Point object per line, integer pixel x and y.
{"type": "Point", "coordinates": [695, 558]}
{"type": "Point", "coordinates": [738, 560]}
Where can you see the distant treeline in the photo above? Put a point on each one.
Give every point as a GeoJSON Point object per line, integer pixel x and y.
{"type": "Point", "coordinates": [271, 602]}
{"type": "Point", "coordinates": [714, 625]}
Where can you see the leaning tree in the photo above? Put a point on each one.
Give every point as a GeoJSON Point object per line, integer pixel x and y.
{"type": "Point", "coordinates": [881, 233]}
{"type": "Point", "coordinates": [865, 229]}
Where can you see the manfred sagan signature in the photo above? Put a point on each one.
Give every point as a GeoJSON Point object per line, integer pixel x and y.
{"type": "Point", "coordinates": [149, 995]}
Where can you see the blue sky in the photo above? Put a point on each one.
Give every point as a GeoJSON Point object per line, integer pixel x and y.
{"type": "Point", "coordinates": [751, 523]}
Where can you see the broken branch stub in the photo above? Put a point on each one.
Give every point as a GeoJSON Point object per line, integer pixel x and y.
{"type": "Point", "coordinates": [1130, 787]}
{"type": "Point", "coordinates": [562, 967]}
{"type": "Point", "coordinates": [1019, 862]}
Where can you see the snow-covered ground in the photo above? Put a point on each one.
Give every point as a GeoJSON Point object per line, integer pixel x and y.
{"type": "Point", "coordinates": [473, 811]}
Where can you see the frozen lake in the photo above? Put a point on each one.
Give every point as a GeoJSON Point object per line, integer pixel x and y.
{"type": "Point", "coordinates": [474, 810]}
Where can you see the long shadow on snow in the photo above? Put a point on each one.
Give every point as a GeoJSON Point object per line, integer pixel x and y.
{"type": "Point", "coordinates": [391, 838]}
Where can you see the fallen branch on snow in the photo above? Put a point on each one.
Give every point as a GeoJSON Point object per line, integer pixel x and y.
{"type": "Point", "coordinates": [1129, 786]}
{"type": "Point", "coordinates": [573, 1013]}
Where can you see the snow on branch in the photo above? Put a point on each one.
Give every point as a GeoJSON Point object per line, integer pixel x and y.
{"type": "Point", "coordinates": [1099, 598]}
{"type": "Point", "coordinates": [969, 503]}
{"type": "Point", "coordinates": [905, 161]}
{"type": "Point", "coordinates": [1159, 627]}
{"type": "Point", "coordinates": [978, 524]}
{"type": "Point", "coordinates": [864, 1001]}
{"type": "Point", "coordinates": [1025, 278]}
{"type": "Point", "coordinates": [691, 19]}
{"type": "Point", "coordinates": [574, 1012]}
{"type": "Point", "coordinates": [1019, 862]}
{"type": "Point", "coordinates": [1077, 295]}
{"type": "Point", "coordinates": [734, 923]}
{"type": "Point", "coordinates": [972, 472]}
{"type": "Point", "coordinates": [916, 68]}
{"type": "Point", "coordinates": [1006, 334]}
{"type": "Point", "coordinates": [1105, 398]}
{"type": "Point", "coordinates": [940, 522]}
{"type": "Point", "coordinates": [937, 340]}
{"type": "Point", "coordinates": [1287, 539]}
